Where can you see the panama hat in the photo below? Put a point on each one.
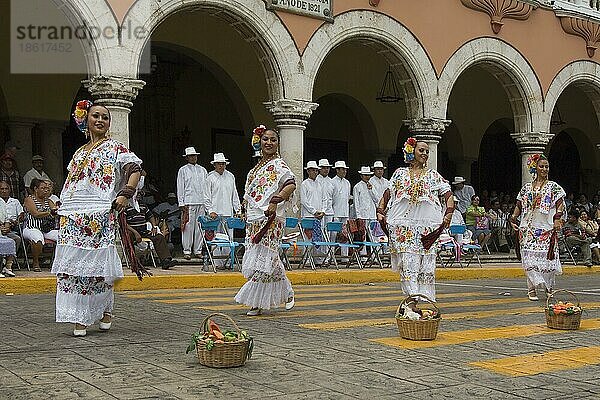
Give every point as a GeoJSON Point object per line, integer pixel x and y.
{"type": "Point", "coordinates": [365, 171]}
{"type": "Point", "coordinates": [323, 162]}
{"type": "Point", "coordinates": [340, 164]}
{"type": "Point", "coordinates": [219, 158]}
{"type": "Point", "coordinates": [379, 164]}
{"type": "Point", "coordinates": [458, 179]}
{"type": "Point", "coordinates": [311, 164]}
{"type": "Point", "coordinates": [190, 151]}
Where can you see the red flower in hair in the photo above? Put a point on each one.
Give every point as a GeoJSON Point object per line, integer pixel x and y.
{"type": "Point", "coordinates": [84, 104]}
{"type": "Point", "coordinates": [412, 141]}
{"type": "Point", "coordinates": [259, 130]}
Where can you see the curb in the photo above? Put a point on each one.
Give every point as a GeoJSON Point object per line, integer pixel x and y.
{"type": "Point", "coordinates": [229, 280]}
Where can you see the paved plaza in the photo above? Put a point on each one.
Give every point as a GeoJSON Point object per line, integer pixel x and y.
{"type": "Point", "coordinates": [339, 342]}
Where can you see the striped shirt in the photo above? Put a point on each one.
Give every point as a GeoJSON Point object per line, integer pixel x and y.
{"type": "Point", "coordinates": [36, 223]}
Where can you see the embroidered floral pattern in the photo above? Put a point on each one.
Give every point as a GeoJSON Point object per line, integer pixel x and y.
{"type": "Point", "coordinates": [427, 187]}
{"type": "Point", "coordinates": [264, 181]}
{"type": "Point", "coordinates": [91, 231]}
{"type": "Point", "coordinates": [542, 199]}
{"type": "Point", "coordinates": [272, 239]}
{"type": "Point", "coordinates": [408, 239]}
{"type": "Point", "coordinates": [82, 285]}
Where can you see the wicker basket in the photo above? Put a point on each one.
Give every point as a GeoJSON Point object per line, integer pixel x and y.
{"type": "Point", "coordinates": [569, 322]}
{"type": "Point", "coordinates": [423, 329]}
{"type": "Point", "coordinates": [223, 355]}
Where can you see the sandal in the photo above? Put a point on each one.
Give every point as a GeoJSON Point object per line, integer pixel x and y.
{"type": "Point", "coordinates": [532, 295]}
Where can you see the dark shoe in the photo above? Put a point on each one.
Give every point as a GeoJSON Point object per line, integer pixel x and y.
{"type": "Point", "coordinates": [167, 263]}
{"type": "Point", "coordinates": [187, 256]}
{"type": "Point", "coordinates": [589, 264]}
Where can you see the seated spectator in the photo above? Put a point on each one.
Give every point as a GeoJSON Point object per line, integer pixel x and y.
{"type": "Point", "coordinates": [590, 227]}
{"type": "Point", "coordinates": [142, 224]}
{"type": "Point", "coordinates": [40, 219]}
{"type": "Point", "coordinates": [478, 221]}
{"type": "Point", "coordinates": [7, 246]}
{"type": "Point", "coordinates": [36, 172]}
{"type": "Point", "coordinates": [10, 174]}
{"type": "Point", "coordinates": [583, 204]}
{"type": "Point", "coordinates": [569, 200]}
{"type": "Point", "coordinates": [498, 223]}
{"type": "Point", "coordinates": [14, 215]}
{"type": "Point", "coordinates": [170, 212]}
{"type": "Point", "coordinates": [575, 236]}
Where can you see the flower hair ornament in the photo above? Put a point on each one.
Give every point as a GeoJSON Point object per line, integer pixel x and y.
{"type": "Point", "coordinates": [532, 162]}
{"type": "Point", "coordinates": [80, 114]}
{"type": "Point", "coordinates": [256, 135]}
{"type": "Point", "coordinates": [409, 149]}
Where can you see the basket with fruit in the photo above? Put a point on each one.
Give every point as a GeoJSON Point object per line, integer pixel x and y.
{"type": "Point", "coordinates": [416, 323]}
{"type": "Point", "coordinates": [563, 315]}
{"type": "Point", "coordinates": [221, 349]}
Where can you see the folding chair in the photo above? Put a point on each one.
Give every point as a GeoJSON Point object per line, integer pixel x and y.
{"type": "Point", "coordinates": [146, 249]}
{"type": "Point", "coordinates": [338, 227]}
{"type": "Point", "coordinates": [373, 247]}
{"type": "Point", "coordinates": [570, 251]}
{"type": "Point", "coordinates": [292, 223]}
{"type": "Point", "coordinates": [469, 251]}
{"type": "Point", "coordinates": [24, 245]}
{"type": "Point", "coordinates": [235, 246]}
{"type": "Point", "coordinates": [381, 240]}
{"type": "Point", "coordinates": [330, 245]}
{"type": "Point", "coordinates": [209, 224]}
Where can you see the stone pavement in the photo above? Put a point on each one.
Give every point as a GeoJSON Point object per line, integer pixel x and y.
{"type": "Point", "coordinates": [340, 342]}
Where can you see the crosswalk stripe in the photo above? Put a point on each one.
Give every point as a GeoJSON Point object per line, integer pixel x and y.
{"type": "Point", "coordinates": [303, 303]}
{"type": "Point", "coordinates": [474, 335]}
{"type": "Point", "coordinates": [297, 289]}
{"type": "Point", "coordinates": [303, 294]}
{"type": "Point", "coordinates": [539, 363]}
{"type": "Point", "coordinates": [348, 324]}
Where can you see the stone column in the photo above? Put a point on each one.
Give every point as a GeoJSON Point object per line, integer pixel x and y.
{"type": "Point", "coordinates": [530, 143]}
{"type": "Point", "coordinates": [20, 134]}
{"type": "Point", "coordinates": [291, 117]}
{"type": "Point", "coordinates": [117, 94]}
{"type": "Point", "coordinates": [52, 150]}
{"type": "Point", "coordinates": [430, 131]}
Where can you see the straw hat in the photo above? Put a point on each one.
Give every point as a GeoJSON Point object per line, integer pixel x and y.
{"type": "Point", "coordinates": [190, 151]}
{"type": "Point", "coordinates": [340, 164]}
{"type": "Point", "coordinates": [219, 158]}
{"type": "Point", "coordinates": [311, 164]}
{"type": "Point", "coordinates": [365, 171]}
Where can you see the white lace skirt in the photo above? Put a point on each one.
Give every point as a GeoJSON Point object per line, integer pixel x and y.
{"type": "Point", "coordinates": [83, 300]}
{"type": "Point", "coordinates": [417, 273]}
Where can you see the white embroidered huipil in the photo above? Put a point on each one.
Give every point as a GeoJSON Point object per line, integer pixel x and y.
{"type": "Point", "coordinates": [311, 198]}
{"type": "Point", "coordinates": [191, 192]}
{"type": "Point", "coordinates": [222, 195]}
{"type": "Point", "coordinates": [379, 186]}
{"type": "Point", "coordinates": [327, 188]}
{"type": "Point", "coordinates": [363, 201]}
{"type": "Point", "coordinates": [341, 196]}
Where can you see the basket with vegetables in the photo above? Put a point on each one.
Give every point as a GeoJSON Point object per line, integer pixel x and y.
{"type": "Point", "coordinates": [221, 349]}
{"type": "Point", "coordinates": [563, 315]}
{"type": "Point", "coordinates": [415, 323]}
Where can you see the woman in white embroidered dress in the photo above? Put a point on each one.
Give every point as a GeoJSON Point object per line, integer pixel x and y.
{"type": "Point", "coordinates": [102, 177]}
{"type": "Point", "coordinates": [412, 209]}
{"type": "Point", "coordinates": [541, 206]}
{"type": "Point", "coordinates": [268, 186]}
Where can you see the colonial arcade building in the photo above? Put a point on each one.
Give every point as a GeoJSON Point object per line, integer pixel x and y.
{"type": "Point", "coordinates": [484, 82]}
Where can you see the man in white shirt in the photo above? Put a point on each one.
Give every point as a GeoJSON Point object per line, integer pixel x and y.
{"type": "Point", "coordinates": [463, 193]}
{"type": "Point", "coordinates": [378, 182]}
{"type": "Point", "coordinates": [36, 172]}
{"type": "Point", "coordinates": [363, 199]}
{"type": "Point", "coordinates": [327, 187]}
{"type": "Point", "coordinates": [222, 196]}
{"type": "Point", "coordinates": [191, 195]}
{"type": "Point", "coordinates": [311, 193]}
{"type": "Point", "coordinates": [14, 214]}
{"type": "Point", "coordinates": [341, 197]}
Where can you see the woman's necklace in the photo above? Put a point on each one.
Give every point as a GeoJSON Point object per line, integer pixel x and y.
{"type": "Point", "coordinates": [261, 163]}
{"type": "Point", "coordinates": [415, 190]}
{"type": "Point", "coordinates": [84, 160]}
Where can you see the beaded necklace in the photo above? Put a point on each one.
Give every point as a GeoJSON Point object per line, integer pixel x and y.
{"type": "Point", "coordinates": [417, 183]}
{"type": "Point", "coordinates": [74, 177]}
{"type": "Point", "coordinates": [261, 163]}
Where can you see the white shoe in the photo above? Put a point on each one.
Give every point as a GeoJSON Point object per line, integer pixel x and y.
{"type": "Point", "coordinates": [8, 272]}
{"type": "Point", "coordinates": [79, 332]}
{"type": "Point", "coordinates": [290, 304]}
{"type": "Point", "coordinates": [2, 276]}
{"type": "Point", "coordinates": [254, 312]}
{"type": "Point", "coordinates": [104, 326]}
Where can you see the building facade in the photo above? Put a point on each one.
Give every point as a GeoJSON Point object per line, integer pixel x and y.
{"type": "Point", "coordinates": [484, 82]}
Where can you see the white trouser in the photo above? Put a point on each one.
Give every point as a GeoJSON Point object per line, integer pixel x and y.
{"type": "Point", "coordinates": [322, 250]}
{"type": "Point", "coordinates": [191, 233]}
{"type": "Point", "coordinates": [343, 220]}
{"type": "Point", "coordinates": [35, 235]}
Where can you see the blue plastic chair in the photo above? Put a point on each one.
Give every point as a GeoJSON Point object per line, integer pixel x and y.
{"type": "Point", "coordinates": [292, 223]}
{"type": "Point", "coordinates": [209, 224]}
{"type": "Point", "coordinates": [338, 227]}
{"type": "Point", "coordinates": [471, 250]}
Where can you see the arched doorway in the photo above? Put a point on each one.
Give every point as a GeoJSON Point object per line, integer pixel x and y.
{"type": "Point", "coordinates": [565, 162]}
{"type": "Point", "coordinates": [498, 166]}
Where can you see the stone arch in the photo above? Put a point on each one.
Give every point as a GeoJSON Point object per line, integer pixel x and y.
{"type": "Point", "coordinates": [509, 67]}
{"type": "Point", "coordinates": [91, 14]}
{"type": "Point", "coordinates": [391, 39]}
{"type": "Point", "coordinates": [585, 75]}
{"type": "Point", "coordinates": [272, 43]}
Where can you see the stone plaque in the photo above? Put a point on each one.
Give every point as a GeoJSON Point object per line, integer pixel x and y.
{"type": "Point", "coordinates": [321, 9]}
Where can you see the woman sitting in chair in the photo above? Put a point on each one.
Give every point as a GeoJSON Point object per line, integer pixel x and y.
{"type": "Point", "coordinates": [40, 219]}
{"type": "Point", "coordinates": [591, 230]}
{"type": "Point", "coordinates": [478, 222]}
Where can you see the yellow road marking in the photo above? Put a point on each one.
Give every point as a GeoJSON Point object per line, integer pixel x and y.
{"type": "Point", "coordinates": [474, 335]}
{"type": "Point", "coordinates": [533, 364]}
{"type": "Point", "coordinates": [302, 303]}
{"type": "Point", "coordinates": [348, 324]}
{"type": "Point", "coordinates": [303, 294]}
